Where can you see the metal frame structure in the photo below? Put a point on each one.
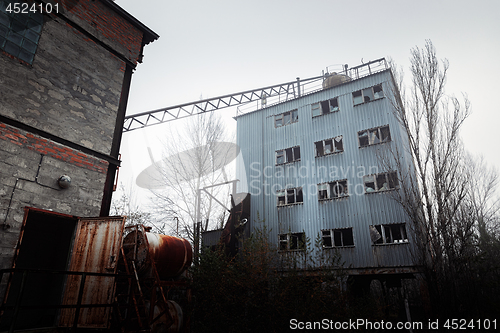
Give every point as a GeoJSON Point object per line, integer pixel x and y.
{"type": "Point", "coordinates": [293, 89]}
{"type": "Point", "coordinates": [163, 115]}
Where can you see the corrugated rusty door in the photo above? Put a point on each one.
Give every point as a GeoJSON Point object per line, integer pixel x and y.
{"type": "Point", "coordinates": [96, 248]}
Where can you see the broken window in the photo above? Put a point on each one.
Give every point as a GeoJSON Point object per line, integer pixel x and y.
{"type": "Point", "coordinates": [367, 95]}
{"type": "Point", "coordinates": [322, 191]}
{"type": "Point", "coordinates": [280, 157]}
{"type": "Point", "coordinates": [357, 97]}
{"type": "Point", "coordinates": [381, 182]}
{"type": "Point", "coordinates": [329, 146]}
{"type": "Point", "coordinates": [292, 241]}
{"type": "Point", "coordinates": [288, 155]}
{"type": "Point", "coordinates": [332, 190]}
{"type": "Point", "coordinates": [316, 110]}
{"type": "Point", "coordinates": [19, 32]}
{"type": "Point", "coordinates": [286, 118]}
{"type": "Point", "coordinates": [338, 189]}
{"type": "Point", "coordinates": [374, 136]}
{"type": "Point", "coordinates": [337, 237]}
{"type": "Point", "coordinates": [290, 196]}
{"type": "Point", "coordinates": [325, 107]}
{"type": "Point", "coordinates": [389, 233]}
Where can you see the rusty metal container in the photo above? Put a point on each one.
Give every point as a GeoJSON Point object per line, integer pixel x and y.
{"type": "Point", "coordinates": [171, 255]}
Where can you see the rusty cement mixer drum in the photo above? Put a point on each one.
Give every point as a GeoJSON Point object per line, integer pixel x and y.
{"type": "Point", "coordinates": [171, 255]}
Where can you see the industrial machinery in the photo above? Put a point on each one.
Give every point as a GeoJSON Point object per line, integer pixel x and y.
{"type": "Point", "coordinates": [156, 263]}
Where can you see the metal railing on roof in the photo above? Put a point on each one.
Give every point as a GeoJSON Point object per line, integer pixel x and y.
{"type": "Point", "coordinates": [249, 100]}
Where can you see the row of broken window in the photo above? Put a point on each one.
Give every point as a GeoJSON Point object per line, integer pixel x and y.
{"type": "Point", "coordinates": [330, 106]}
{"type": "Point", "coordinates": [339, 188]}
{"type": "Point", "coordinates": [336, 145]}
{"type": "Point", "coordinates": [343, 237]}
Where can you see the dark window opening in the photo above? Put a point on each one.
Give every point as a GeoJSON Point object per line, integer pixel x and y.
{"type": "Point", "coordinates": [329, 146]}
{"type": "Point", "coordinates": [290, 196]}
{"type": "Point", "coordinates": [337, 237]}
{"type": "Point", "coordinates": [389, 233]}
{"type": "Point", "coordinates": [286, 118]}
{"type": "Point", "coordinates": [293, 242]}
{"type": "Point", "coordinates": [333, 190]}
{"type": "Point", "coordinates": [381, 182]}
{"type": "Point", "coordinates": [288, 155]}
{"type": "Point", "coordinates": [325, 107]}
{"type": "Point", "coordinates": [374, 136]}
{"type": "Point", "coordinates": [19, 33]}
{"type": "Point", "coordinates": [367, 95]}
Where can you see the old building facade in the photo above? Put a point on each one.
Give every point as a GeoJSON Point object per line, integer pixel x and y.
{"type": "Point", "coordinates": [65, 74]}
{"type": "Point", "coordinates": [314, 171]}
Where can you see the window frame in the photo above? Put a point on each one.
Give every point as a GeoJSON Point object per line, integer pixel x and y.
{"type": "Point", "coordinates": [390, 177]}
{"type": "Point", "coordinates": [284, 197]}
{"type": "Point", "coordinates": [331, 234]}
{"type": "Point", "coordinates": [387, 233]}
{"type": "Point", "coordinates": [367, 95]}
{"type": "Point", "coordinates": [292, 242]}
{"type": "Point", "coordinates": [22, 42]}
{"type": "Point", "coordinates": [325, 107]}
{"type": "Point", "coordinates": [326, 192]}
{"type": "Point", "coordinates": [281, 118]}
{"type": "Point", "coordinates": [366, 136]}
{"type": "Point", "coordinates": [285, 154]}
{"type": "Point", "coordinates": [333, 145]}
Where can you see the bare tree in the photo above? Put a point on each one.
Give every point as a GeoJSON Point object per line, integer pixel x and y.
{"type": "Point", "coordinates": [124, 203]}
{"type": "Point", "coordinates": [445, 193]}
{"type": "Point", "coordinates": [195, 158]}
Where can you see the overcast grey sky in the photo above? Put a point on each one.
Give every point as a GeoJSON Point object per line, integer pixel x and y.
{"type": "Point", "coordinates": [218, 47]}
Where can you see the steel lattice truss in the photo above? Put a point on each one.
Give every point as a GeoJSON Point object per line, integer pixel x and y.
{"type": "Point", "coordinates": [140, 120]}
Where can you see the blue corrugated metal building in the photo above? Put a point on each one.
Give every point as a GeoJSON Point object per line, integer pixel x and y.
{"type": "Point", "coordinates": [313, 168]}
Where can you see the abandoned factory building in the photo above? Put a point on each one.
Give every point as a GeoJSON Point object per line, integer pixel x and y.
{"type": "Point", "coordinates": [312, 167]}
{"type": "Point", "coordinates": [65, 75]}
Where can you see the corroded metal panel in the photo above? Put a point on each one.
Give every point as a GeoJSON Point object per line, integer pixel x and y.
{"type": "Point", "coordinates": [96, 248]}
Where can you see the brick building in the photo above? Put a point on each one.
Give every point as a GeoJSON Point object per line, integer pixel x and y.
{"type": "Point", "coordinates": [64, 83]}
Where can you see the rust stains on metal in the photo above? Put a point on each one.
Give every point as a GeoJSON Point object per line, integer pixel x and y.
{"type": "Point", "coordinates": [171, 255]}
{"type": "Point", "coordinates": [96, 249]}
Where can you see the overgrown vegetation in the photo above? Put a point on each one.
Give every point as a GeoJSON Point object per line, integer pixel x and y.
{"type": "Point", "coordinates": [261, 290]}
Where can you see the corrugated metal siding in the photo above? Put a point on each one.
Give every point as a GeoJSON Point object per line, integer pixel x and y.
{"type": "Point", "coordinates": [259, 139]}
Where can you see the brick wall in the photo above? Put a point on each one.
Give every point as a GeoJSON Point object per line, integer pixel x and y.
{"type": "Point", "coordinates": [106, 25]}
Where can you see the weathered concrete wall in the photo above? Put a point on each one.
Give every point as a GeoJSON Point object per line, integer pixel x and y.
{"type": "Point", "coordinates": [58, 116]}
{"type": "Point", "coordinates": [29, 169]}
{"type": "Point", "coordinates": [71, 91]}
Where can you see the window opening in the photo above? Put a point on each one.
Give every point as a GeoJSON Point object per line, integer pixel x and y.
{"type": "Point", "coordinates": [325, 107]}
{"type": "Point", "coordinates": [333, 190]}
{"type": "Point", "coordinates": [288, 155]}
{"type": "Point", "coordinates": [292, 241]}
{"type": "Point", "coordinates": [20, 33]}
{"type": "Point", "coordinates": [389, 233]}
{"type": "Point", "coordinates": [374, 136]}
{"type": "Point", "coordinates": [329, 146]}
{"type": "Point", "coordinates": [367, 95]}
{"type": "Point", "coordinates": [286, 118]}
{"type": "Point", "coordinates": [337, 237]}
{"type": "Point", "coordinates": [290, 196]}
{"type": "Point", "coordinates": [381, 182]}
